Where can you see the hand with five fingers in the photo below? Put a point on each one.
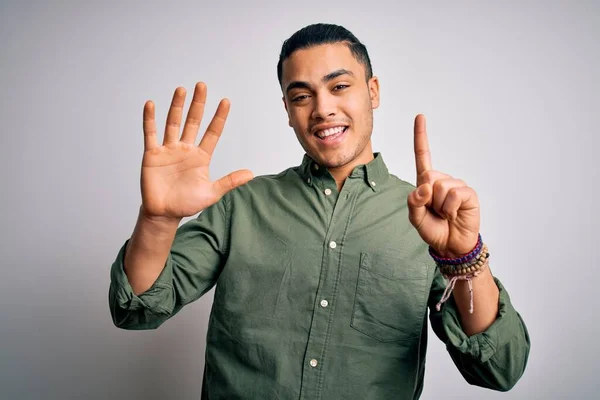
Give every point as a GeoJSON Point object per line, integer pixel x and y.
{"type": "Point", "coordinates": [444, 210]}
{"type": "Point", "coordinates": [175, 176]}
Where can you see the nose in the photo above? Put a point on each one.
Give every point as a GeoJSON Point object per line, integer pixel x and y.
{"type": "Point", "coordinates": [325, 106]}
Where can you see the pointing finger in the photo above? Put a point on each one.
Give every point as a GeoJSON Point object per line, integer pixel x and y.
{"type": "Point", "coordinates": [422, 154]}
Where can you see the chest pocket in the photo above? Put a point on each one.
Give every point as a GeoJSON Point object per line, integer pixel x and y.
{"type": "Point", "coordinates": [391, 297]}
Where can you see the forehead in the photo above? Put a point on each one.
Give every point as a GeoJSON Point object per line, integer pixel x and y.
{"type": "Point", "coordinates": [313, 63]}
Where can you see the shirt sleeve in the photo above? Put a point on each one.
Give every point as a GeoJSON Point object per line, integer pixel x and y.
{"type": "Point", "coordinates": [495, 358]}
{"type": "Point", "coordinates": [192, 268]}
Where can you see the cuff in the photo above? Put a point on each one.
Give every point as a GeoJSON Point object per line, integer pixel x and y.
{"type": "Point", "coordinates": [481, 346]}
{"type": "Point", "coordinates": [156, 299]}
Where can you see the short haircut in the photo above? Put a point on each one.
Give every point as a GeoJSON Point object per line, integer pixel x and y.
{"type": "Point", "coordinates": [318, 34]}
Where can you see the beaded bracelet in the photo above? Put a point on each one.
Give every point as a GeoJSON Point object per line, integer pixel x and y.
{"type": "Point", "coordinates": [461, 260]}
{"type": "Point", "coordinates": [462, 268]}
{"type": "Point", "coordinates": [466, 268]}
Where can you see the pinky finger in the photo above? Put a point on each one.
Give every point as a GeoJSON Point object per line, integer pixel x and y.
{"type": "Point", "coordinates": [150, 142]}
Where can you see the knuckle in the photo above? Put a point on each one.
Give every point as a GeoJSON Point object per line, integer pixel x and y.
{"type": "Point", "coordinates": [440, 185]}
{"type": "Point", "coordinates": [193, 121]}
{"type": "Point", "coordinates": [453, 193]}
{"type": "Point", "coordinates": [427, 176]}
{"type": "Point", "coordinates": [231, 182]}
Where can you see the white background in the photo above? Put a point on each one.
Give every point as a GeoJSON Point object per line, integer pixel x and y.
{"type": "Point", "coordinates": [510, 90]}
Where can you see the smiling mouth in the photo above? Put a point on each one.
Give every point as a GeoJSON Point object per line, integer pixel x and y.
{"type": "Point", "coordinates": [331, 133]}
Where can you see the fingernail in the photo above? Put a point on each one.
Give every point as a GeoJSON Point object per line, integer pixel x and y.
{"type": "Point", "coordinates": [421, 191]}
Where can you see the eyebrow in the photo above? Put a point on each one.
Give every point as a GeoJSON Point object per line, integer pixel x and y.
{"type": "Point", "coordinates": [327, 78]}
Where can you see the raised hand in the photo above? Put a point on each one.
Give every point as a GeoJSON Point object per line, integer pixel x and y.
{"type": "Point", "coordinates": [175, 179]}
{"type": "Point", "coordinates": [444, 210]}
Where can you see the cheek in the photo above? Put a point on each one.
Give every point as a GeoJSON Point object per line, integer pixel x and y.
{"type": "Point", "coordinates": [297, 125]}
{"type": "Point", "coordinates": [358, 106]}
{"type": "Point", "coordinates": [298, 120]}
{"type": "Point", "coordinates": [360, 114]}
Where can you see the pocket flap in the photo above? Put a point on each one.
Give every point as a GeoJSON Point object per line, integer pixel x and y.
{"type": "Point", "coordinates": [393, 266]}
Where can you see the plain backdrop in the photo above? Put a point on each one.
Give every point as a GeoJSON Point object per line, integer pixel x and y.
{"type": "Point", "coordinates": [510, 91]}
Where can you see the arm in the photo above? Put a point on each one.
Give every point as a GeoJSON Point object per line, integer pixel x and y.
{"type": "Point", "coordinates": [494, 358]}
{"type": "Point", "coordinates": [485, 295]}
{"type": "Point", "coordinates": [161, 268]}
{"type": "Point", "coordinates": [190, 269]}
{"type": "Point", "coordinates": [147, 250]}
{"type": "Point", "coordinates": [490, 347]}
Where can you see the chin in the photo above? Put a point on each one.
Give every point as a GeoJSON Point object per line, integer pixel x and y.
{"type": "Point", "coordinates": [335, 161]}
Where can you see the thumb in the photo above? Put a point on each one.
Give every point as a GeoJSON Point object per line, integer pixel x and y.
{"type": "Point", "coordinates": [417, 202]}
{"type": "Point", "coordinates": [231, 181]}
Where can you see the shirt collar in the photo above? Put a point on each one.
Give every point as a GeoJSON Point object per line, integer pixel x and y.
{"type": "Point", "coordinates": [373, 173]}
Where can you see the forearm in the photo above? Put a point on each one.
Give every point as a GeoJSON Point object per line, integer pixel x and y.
{"type": "Point", "coordinates": [485, 302]}
{"type": "Point", "coordinates": [494, 358]}
{"type": "Point", "coordinates": [147, 250]}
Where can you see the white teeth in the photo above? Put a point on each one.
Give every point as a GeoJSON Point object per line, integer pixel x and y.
{"type": "Point", "coordinates": [331, 131]}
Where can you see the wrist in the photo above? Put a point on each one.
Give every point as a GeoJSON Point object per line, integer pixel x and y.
{"type": "Point", "coordinates": [449, 257]}
{"type": "Point", "coordinates": [158, 219]}
{"type": "Point", "coordinates": [156, 223]}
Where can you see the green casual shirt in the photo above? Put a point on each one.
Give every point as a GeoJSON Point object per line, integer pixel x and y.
{"type": "Point", "coordinates": [319, 294]}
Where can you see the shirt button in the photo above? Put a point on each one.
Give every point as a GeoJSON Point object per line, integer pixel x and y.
{"type": "Point", "coordinates": [316, 166]}
{"type": "Point", "coordinates": [314, 363]}
{"type": "Point", "coordinates": [327, 191]}
{"type": "Point", "coordinates": [324, 303]}
{"type": "Point", "coordinates": [373, 183]}
{"type": "Point", "coordinates": [332, 244]}
{"type": "Point", "coordinates": [308, 180]}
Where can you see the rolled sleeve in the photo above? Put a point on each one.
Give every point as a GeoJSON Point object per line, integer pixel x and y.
{"type": "Point", "coordinates": [495, 358]}
{"type": "Point", "coordinates": [191, 269]}
{"type": "Point", "coordinates": [143, 311]}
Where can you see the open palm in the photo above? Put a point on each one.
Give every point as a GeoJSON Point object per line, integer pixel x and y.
{"type": "Point", "coordinates": [175, 179]}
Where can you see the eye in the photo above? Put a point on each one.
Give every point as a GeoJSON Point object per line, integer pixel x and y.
{"type": "Point", "coordinates": [340, 87]}
{"type": "Point", "coordinates": [299, 98]}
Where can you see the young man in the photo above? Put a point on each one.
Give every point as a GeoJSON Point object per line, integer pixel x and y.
{"type": "Point", "coordinates": [323, 272]}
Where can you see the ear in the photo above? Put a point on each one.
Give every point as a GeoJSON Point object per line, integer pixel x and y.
{"type": "Point", "coordinates": [374, 91]}
{"type": "Point", "coordinates": [287, 111]}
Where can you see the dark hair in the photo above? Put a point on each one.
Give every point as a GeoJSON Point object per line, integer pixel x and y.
{"type": "Point", "coordinates": [317, 34]}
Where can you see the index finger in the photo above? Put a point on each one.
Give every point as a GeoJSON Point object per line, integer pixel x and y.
{"type": "Point", "coordinates": [422, 154]}
{"type": "Point", "coordinates": [215, 128]}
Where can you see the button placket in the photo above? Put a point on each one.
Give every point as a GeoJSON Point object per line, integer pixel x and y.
{"type": "Point", "coordinates": [320, 334]}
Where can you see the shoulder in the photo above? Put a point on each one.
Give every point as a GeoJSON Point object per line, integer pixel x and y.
{"type": "Point", "coordinates": [400, 183]}
{"type": "Point", "coordinates": [267, 185]}
{"type": "Point", "coordinates": [399, 187]}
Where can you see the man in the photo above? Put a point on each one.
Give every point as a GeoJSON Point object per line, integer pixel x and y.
{"type": "Point", "coordinates": [322, 284]}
